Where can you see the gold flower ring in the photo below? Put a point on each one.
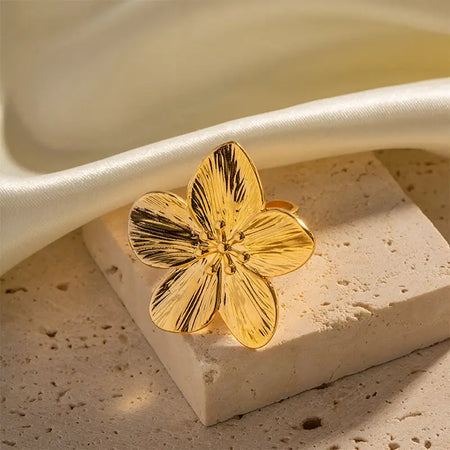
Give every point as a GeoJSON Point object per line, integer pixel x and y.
{"type": "Point", "coordinates": [222, 243]}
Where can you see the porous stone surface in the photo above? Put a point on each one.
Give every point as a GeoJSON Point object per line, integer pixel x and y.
{"type": "Point", "coordinates": [77, 373]}
{"type": "Point", "coordinates": [376, 288]}
{"type": "Point", "coordinates": [424, 177]}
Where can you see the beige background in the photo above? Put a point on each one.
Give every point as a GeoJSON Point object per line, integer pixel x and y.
{"type": "Point", "coordinates": [77, 373]}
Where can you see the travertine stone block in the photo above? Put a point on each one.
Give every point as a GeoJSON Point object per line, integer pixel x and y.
{"type": "Point", "coordinates": [376, 288]}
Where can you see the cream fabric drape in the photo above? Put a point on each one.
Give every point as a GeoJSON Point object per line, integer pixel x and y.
{"type": "Point", "coordinates": [103, 101]}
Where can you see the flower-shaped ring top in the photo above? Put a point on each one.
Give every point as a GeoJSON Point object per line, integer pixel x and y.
{"type": "Point", "coordinates": [223, 243]}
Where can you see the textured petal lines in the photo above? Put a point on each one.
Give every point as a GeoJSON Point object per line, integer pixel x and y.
{"type": "Point", "coordinates": [226, 187]}
{"type": "Point", "coordinates": [161, 232]}
{"type": "Point", "coordinates": [277, 243]}
{"type": "Point", "coordinates": [187, 299]}
{"type": "Point", "coordinates": [249, 307]}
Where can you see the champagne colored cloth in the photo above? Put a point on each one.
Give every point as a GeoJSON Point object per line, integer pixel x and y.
{"type": "Point", "coordinates": [103, 101]}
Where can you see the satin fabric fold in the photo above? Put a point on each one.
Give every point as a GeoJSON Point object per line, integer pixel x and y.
{"type": "Point", "coordinates": [101, 99]}
{"type": "Point", "coordinates": [37, 209]}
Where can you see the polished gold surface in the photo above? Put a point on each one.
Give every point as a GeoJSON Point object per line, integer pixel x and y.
{"type": "Point", "coordinates": [277, 243]}
{"type": "Point", "coordinates": [285, 205]}
{"type": "Point", "coordinates": [187, 299]}
{"type": "Point", "coordinates": [226, 190]}
{"type": "Point", "coordinates": [222, 244]}
{"type": "Point", "coordinates": [161, 231]}
{"type": "Point", "coordinates": [249, 307]}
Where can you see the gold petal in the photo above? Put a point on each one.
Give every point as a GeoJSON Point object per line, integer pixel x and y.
{"type": "Point", "coordinates": [277, 243]}
{"type": "Point", "coordinates": [225, 190]}
{"type": "Point", "coordinates": [249, 307]}
{"type": "Point", "coordinates": [161, 232]}
{"type": "Point", "coordinates": [187, 299]}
